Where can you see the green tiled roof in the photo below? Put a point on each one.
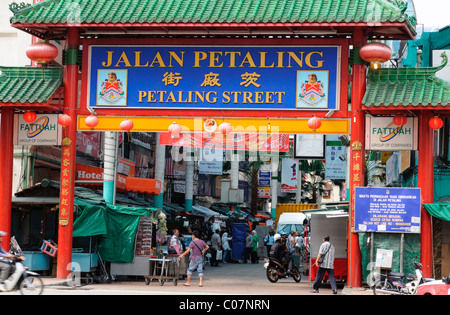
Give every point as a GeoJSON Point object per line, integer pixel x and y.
{"type": "Point", "coordinates": [210, 11]}
{"type": "Point", "coordinates": [29, 85]}
{"type": "Point", "coordinates": [405, 87]}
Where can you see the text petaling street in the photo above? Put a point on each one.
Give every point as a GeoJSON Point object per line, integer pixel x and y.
{"type": "Point", "coordinates": [214, 59]}
{"type": "Point", "coordinates": [235, 97]}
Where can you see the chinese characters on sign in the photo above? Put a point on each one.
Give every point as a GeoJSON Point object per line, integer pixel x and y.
{"type": "Point", "coordinates": [64, 208]}
{"type": "Point", "coordinates": [220, 77]}
{"type": "Point", "coordinates": [356, 174]}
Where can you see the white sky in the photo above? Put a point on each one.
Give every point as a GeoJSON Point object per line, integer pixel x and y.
{"type": "Point", "coordinates": [433, 13]}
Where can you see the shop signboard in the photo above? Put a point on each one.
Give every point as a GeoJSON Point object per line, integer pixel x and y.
{"type": "Point", "coordinates": [43, 131]}
{"type": "Point", "coordinates": [335, 159]}
{"type": "Point", "coordinates": [383, 135]}
{"type": "Point", "coordinates": [272, 142]}
{"type": "Point", "coordinates": [264, 178]}
{"type": "Point", "coordinates": [289, 175]}
{"type": "Point", "coordinates": [387, 209]}
{"type": "Point", "coordinates": [214, 77]}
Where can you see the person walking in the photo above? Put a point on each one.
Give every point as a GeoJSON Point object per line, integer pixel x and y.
{"type": "Point", "coordinates": [198, 248]}
{"type": "Point", "coordinates": [248, 246]}
{"type": "Point", "coordinates": [268, 241]}
{"type": "Point", "coordinates": [225, 246]}
{"type": "Point", "coordinates": [255, 240]}
{"type": "Point", "coordinates": [216, 245]}
{"type": "Point", "coordinates": [325, 263]}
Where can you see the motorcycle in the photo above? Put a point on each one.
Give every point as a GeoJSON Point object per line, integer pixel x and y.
{"type": "Point", "coordinates": [392, 282]}
{"type": "Point", "coordinates": [276, 270]}
{"type": "Point", "coordinates": [20, 278]}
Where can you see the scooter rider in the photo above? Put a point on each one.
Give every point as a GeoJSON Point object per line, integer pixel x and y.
{"type": "Point", "coordinates": [5, 266]}
{"type": "Point", "coordinates": [279, 252]}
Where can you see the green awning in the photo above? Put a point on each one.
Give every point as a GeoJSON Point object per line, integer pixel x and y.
{"type": "Point", "coordinates": [438, 210]}
{"type": "Point", "coordinates": [117, 224]}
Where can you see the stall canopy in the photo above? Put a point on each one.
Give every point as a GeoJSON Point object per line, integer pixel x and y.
{"type": "Point", "coordinates": [439, 210]}
{"type": "Point", "coordinates": [117, 224]}
{"type": "Point", "coordinates": [206, 212]}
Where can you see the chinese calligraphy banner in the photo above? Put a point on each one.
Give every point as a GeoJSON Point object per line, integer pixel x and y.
{"type": "Point", "coordinates": [217, 77]}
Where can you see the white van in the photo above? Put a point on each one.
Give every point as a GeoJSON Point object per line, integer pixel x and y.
{"type": "Point", "coordinates": [290, 221]}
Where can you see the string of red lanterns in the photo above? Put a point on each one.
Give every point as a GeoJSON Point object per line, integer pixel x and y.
{"type": "Point", "coordinates": [314, 123]}
{"type": "Point", "coordinates": [400, 120]}
{"type": "Point", "coordinates": [436, 123]}
{"type": "Point", "coordinates": [175, 130]}
{"type": "Point", "coordinates": [91, 121]}
{"type": "Point", "coordinates": [29, 117]}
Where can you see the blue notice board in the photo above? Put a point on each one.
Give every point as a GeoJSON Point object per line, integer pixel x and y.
{"type": "Point", "coordinates": [392, 210]}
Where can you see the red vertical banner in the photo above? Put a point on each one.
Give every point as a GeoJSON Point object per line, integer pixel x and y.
{"type": "Point", "coordinates": [64, 208]}
{"type": "Point", "coordinates": [356, 175]}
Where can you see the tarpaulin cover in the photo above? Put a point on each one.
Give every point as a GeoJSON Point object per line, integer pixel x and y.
{"type": "Point", "coordinates": [439, 210]}
{"type": "Point", "coordinates": [390, 241]}
{"type": "Point", "coordinates": [239, 235]}
{"type": "Point", "coordinates": [118, 225]}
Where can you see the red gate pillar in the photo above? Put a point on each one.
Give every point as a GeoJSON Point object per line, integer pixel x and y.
{"type": "Point", "coordinates": [426, 183]}
{"type": "Point", "coordinates": [354, 271]}
{"type": "Point", "coordinates": [6, 165]}
{"type": "Point", "coordinates": [66, 199]}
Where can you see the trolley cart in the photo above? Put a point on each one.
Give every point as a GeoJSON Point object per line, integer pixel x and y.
{"type": "Point", "coordinates": [164, 269]}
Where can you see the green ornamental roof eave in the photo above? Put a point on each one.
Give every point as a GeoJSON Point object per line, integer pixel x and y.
{"type": "Point", "coordinates": [401, 87]}
{"type": "Point", "coordinates": [29, 85]}
{"type": "Point", "coordinates": [60, 13]}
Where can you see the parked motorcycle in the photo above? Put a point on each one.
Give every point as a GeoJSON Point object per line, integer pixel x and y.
{"type": "Point", "coordinates": [20, 278]}
{"type": "Point", "coordinates": [392, 282]}
{"type": "Point", "coordinates": [276, 270]}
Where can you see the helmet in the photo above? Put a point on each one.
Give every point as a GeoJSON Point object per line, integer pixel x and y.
{"type": "Point", "coordinates": [277, 237]}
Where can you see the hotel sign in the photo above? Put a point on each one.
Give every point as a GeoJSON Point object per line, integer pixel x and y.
{"type": "Point", "coordinates": [216, 77]}
{"type": "Point", "coordinates": [383, 135]}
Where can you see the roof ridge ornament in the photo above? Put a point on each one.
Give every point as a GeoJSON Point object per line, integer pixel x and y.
{"type": "Point", "coordinates": [402, 5]}
{"type": "Point", "coordinates": [18, 7]}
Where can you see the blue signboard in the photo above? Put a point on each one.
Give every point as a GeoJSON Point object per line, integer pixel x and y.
{"type": "Point", "coordinates": [215, 77]}
{"type": "Point", "coordinates": [387, 209]}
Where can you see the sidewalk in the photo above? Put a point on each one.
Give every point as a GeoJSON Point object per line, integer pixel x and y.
{"type": "Point", "coordinates": [301, 288]}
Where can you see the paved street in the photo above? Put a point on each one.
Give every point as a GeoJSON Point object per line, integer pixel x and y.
{"type": "Point", "coordinates": [227, 279]}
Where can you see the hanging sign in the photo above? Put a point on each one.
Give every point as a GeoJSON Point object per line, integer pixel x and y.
{"type": "Point", "coordinates": [289, 175]}
{"type": "Point", "coordinates": [45, 130]}
{"type": "Point", "coordinates": [383, 135]}
{"type": "Point", "coordinates": [387, 209]}
{"type": "Point", "coordinates": [236, 141]}
{"type": "Point", "coordinates": [214, 77]}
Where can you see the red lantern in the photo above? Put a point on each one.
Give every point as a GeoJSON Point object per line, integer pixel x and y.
{"type": "Point", "coordinates": [175, 130]}
{"type": "Point", "coordinates": [436, 123]}
{"type": "Point", "coordinates": [42, 52]}
{"type": "Point", "coordinates": [91, 121]}
{"type": "Point", "coordinates": [126, 125]}
{"type": "Point", "coordinates": [314, 123]}
{"type": "Point", "coordinates": [29, 117]}
{"type": "Point", "coordinates": [376, 54]}
{"type": "Point", "coordinates": [64, 120]}
{"type": "Point", "coordinates": [400, 120]}
{"type": "Point", "coordinates": [225, 128]}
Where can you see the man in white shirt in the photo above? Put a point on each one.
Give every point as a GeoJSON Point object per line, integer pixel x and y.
{"type": "Point", "coordinates": [326, 251]}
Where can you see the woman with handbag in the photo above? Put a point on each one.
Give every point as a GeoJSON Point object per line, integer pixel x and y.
{"type": "Point", "coordinates": [325, 263]}
{"type": "Point", "coordinates": [198, 248]}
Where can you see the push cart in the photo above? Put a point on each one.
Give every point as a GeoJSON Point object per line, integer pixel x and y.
{"type": "Point", "coordinates": [164, 269]}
